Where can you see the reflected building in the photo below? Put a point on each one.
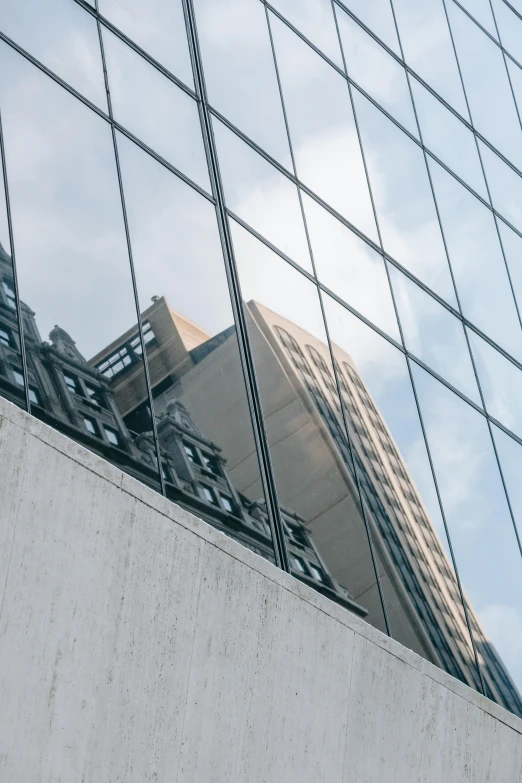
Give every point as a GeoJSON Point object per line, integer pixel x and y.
{"type": "Point", "coordinates": [308, 444]}
{"type": "Point", "coordinates": [82, 399]}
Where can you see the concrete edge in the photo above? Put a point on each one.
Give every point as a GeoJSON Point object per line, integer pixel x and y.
{"type": "Point", "coordinates": [167, 508]}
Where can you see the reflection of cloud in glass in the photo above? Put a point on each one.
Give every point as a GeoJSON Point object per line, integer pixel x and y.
{"type": "Point", "coordinates": [240, 75]}
{"type": "Point", "coordinates": [64, 38]}
{"type": "Point", "coordinates": [175, 241]}
{"type": "Point", "coordinates": [158, 27]}
{"type": "Point", "coordinates": [322, 128]}
{"type": "Point", "coordinates": [70, 243]}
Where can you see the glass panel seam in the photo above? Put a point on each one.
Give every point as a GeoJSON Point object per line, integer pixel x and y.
{"type": "Point", "coordinates": [245, 351]}
{"type": "Point", "coordinates": [314, 279]}
{"type": "Point", "coordinates": [142, 52]}
{"type": "Point", "coordinates": [131, 264]}
{"type": "Point", "coordinates": [103, 115]}
{"type": "Point", "coordinates": [355, 470]}
{"type": "Point", "coordinates": [477, 145]}
{"type": "Point", "coordinates": [446, 528]}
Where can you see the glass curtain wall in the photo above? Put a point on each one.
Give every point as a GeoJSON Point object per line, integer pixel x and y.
{"type": "Point", "coordinates": [267, 259]}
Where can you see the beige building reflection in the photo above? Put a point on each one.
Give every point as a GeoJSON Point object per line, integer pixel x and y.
{"type": "Point", "coordinates": [314, 471]}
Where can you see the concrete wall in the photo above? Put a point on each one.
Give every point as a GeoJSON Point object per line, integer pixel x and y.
{"type": "Point", "coordinates": [138, 644]}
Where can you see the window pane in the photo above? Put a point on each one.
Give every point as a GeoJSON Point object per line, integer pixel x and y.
{"type": "Point", "coordinates": [350, 267]}
{"type": "Point", "coordinates": [199, 397]}
{"type": "Point", "coordinates": [322, 128]}
{"type": "Point", "coordinates": [158, 27]}
{"type": "Point", "coordinates": [510, 29]}
{"type": "Point", "coordinates": [448, 138]}
{"type": "Point", "coordinates": [515, 75]}
{"type": "Point", "coordinates": [420, 587]}
{"type": "Point", "coordinates": [482, 533]}
{"type": "Point", "coordinates": [403, 198]}
{"type": "Point", "coordinates": [426, 41]}
{"type": "Point", "coordinates": [505, 186]}
{"type": "Point", "coordinates": [510, 456]}
{"type": "Point", "coordinates": [155, 110]}
{"type": "Point", "coordinates": [487, 87]}
{"type": "Point", "coordinates": [315, 20]}
{"type": "Point", "coordinates": [378, 16]}
{"type": "Point", "coordinates": [72, 259]}
{"type": "Point", "coordinates": [434, 335]}
{"type": "Point", "coordinates": [308, 446]}
{"type": "Point", "coordinates": [376, 72]}
{"type": "Point", "coordinates": [501, 383]}
{"type": "Point", "coordinates": [261, 196]}
{"type": "Point", "coordinates": [477, 261]}
{"type": "Point", "coordinates": [512, 245]}
{"type": "Point", "coordinates": [239, 71]}
{"type": "Point", "coordinates": [63, 37]}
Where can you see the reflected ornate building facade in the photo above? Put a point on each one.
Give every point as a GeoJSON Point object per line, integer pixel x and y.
{"type": "Point", "coordinates": [82, 400]}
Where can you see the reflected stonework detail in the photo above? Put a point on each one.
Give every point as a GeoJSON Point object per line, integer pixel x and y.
{"type": "Point", "coordinates": [266, 259]}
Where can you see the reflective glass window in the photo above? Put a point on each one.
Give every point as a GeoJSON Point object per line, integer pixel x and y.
{"type": "Point", "coordinates": [315, 20]}
{"type": "Point", "coordinates": [487, 86]}
{"type": "Point", "coordinates": [350, 267]}
{"type": "Point", "coordinates": [376, 71]}
{"type": "Point", "coordinates": [240, 74]}
{"type": "Point", "coordinates": [305, 430]}
{"type": "Point", "coordinates": [158, 27]}
{"type": "Point", "coordinates": [512, 246]}
{"type": "Point", "coordinates": [261, 195]}
{"type": "Point", "coordinates": [63, 37]}
{"type": "Point", "coordinates": [481, 530]}
{"type": "Point", "coordinates": [420, 587]}
{"type": "Point", "coordinates": [428, 49]}
{"type": "Point", "coordinates": [433, 334]}
{"type": "Point", "coordinates": [448, 138]}
{"type": "Point", "coordinates": [403, 198]}
{"type": "Point", "coordinates": [481, 11]}
{"type": "Point", "coordinates": [72, 258]}
{"type": "Point", "coordinates": [505, 186]}
{"type": "Point", "coordinates": [501, 383]}
{"type": "Point", "coordinates": [510, 457]}
{"type": "Point", "coordinates": [510, 29]}
{"type": "Point", "coordinates": [155, 110]}
{"type": "Point", "coordinates": [378, 16]}
{"type": "Point", "coordinates": [199, 400]}
{"type": "Point", "coordinates": [477, 261]}
{"type": "Point", "coordinates": [515, 75]}
{"type": "Point", "coordinates": [322, 129]}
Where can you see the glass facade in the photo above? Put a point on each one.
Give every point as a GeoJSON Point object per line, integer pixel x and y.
{"type": "Point", "coordinates": [267, 259]}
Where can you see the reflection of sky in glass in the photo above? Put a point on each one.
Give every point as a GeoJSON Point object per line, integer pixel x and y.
{"type": "Point", "coordinates": [479, 522]}
{"type": "Point", "coordinates": [67, 219]}
{"type": "Point", "coordinates": [71, 246]}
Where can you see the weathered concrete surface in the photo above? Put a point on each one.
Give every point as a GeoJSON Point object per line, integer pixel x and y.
{"type": "Point", "coordinates": [138, 644]}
